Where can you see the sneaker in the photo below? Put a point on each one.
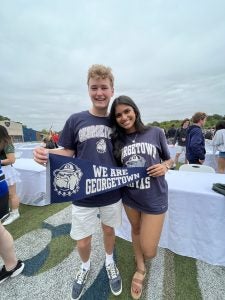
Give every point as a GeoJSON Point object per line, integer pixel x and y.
{"type": "Point", "coordinates": [4, 274]}
{"type": "Point", "coordinates": [115, 280]}
{"type": "Point", "coordinates": [5, 217]}
{"type": "Point", "coordinates": [79, 283]}
{"type": "Point", "coordinates": [12, 217]}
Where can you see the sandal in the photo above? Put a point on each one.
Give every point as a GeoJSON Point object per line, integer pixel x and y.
{"type": "Point", "coordinates": [137, 284]}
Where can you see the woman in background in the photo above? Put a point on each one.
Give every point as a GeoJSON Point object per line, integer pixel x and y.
{"type": "Point", "coordinates": [145, 201]}
{"type": "Point", "coordinates": [7, 157]}
{"type": "Point", "coordinates": [180, 138]}
{"type": "Point", "coordinates": [219, 144]}
{"type": "Point", "coordinates": [12, 267]}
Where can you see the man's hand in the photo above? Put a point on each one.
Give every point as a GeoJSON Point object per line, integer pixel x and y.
{"type": "Point", "coordinates": [41, 155]}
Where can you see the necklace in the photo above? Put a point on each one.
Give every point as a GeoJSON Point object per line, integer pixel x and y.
{"type": "Point", "coordinates": [134, 139]}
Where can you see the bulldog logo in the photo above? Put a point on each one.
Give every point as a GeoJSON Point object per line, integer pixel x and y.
{"type": "Point", "coordinates": [66, 179]}
{"type": "Point", "coordinates": [135, 161]}
{"type": "Point", "coordinates": [101, 146]}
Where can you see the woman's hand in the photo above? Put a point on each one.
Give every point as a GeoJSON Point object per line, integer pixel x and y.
{"type": "Point", "coordinates": [157, 170]}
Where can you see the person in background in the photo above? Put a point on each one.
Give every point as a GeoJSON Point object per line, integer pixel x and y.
{"type": "Point", "coordinates": [7, 157]}
{"type": "Point", "coordinates": [209, 134]}
{"type": "Point", "coordinates": [146, 201]}
{"type": "Point", "coordinates": [195, 141]}
{"type": "Point", "coordinates": [86, 135]}
{"type": "Point", "coordinates": [12, 267]}
{"type": "Point", "coordinates": [171, 134]}
{"type": "Point", "coordinates": [55, 138]}
{"type": "Point", "coordinates": [218, 143]}
{"type": "Point", "coordinates": [48, 142]}
{"type": "Point", "coordinates": [180, 138]}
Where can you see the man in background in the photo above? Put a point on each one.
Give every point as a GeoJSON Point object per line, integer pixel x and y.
{"type": "Point", "coordinates": [195, 141]}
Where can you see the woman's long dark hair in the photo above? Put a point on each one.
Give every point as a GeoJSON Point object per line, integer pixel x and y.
{"type": "Point", "coordinates": [5, 139]}
{"type": "Point", "coordinates": [118, 133]}
{"type": "Point", "coordinates": [220, 125]}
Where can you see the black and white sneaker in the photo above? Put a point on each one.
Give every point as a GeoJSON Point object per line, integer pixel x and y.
{"type": "Point", "coordinates": [4, 274]}
{"type": "Point", "coordinates": [115, 280]}
{"type": "Point", "coordinates": [79, 283]}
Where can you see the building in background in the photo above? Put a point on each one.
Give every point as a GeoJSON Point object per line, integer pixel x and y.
{"type": "Point", "coordinates": [31, 135]}
{"type": "Point", "coordinates": [20, 133]}
{"type": "Point", "coordinates": [15, 130]}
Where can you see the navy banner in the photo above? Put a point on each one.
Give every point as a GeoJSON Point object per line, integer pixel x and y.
{"type": "Point", "coordinates": [70, 179]}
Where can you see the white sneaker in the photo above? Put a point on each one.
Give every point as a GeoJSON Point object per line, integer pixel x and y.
{"type": "Point", "coordinates": [12, 217]}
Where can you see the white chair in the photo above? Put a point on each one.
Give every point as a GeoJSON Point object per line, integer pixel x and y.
{"type": "Point", "coordinates": [196, 168]}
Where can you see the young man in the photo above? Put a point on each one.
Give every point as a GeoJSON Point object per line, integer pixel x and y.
{"type": "Point", "coordinates": [195, 141]}
{"type": "Point", "coordinates": [86, 135]}
{"type": "Point", "coordinates": [12, 266]}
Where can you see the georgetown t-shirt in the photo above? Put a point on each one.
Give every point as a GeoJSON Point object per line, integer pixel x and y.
{"type": "Point", "coordinates": [89, 137]}
{"type": "Point", "coordinates": [149, 194]}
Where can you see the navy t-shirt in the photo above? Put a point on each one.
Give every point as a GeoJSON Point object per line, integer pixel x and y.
{"type": "Point", "coordinates": [89, 137]}
{"type": "Point", "coordinates": [149, 194]}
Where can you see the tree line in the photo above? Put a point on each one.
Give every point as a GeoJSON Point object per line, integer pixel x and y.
{"type": "Point", "coordinates": [210, 123]}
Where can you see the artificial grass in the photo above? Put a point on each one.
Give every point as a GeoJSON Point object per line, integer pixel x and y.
{"type": "Point", "coordinates": [57, 252]}
{"type": "Point", "coordinates": [186, 284]}
{"type": "Point", "coordinates": [31, 218]}
{"type": "Point", "coordinates": [126, 266]}
{"type": "Point", "coordinates": [180, 282]}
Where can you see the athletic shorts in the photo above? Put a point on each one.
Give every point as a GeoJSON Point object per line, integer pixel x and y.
{"type": "Point", "coordinates": [85, 219]}
{"type": "Point", "coordinates": [222, 154]}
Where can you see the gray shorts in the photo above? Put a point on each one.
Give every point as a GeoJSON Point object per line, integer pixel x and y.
{"type": "Point", "coordinates": [85, 219]}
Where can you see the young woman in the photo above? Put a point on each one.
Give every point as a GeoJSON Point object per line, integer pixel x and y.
{"type": "Point", "coordinates": [7, 157]}
{"type": "Point", "coordinates": [180, 138]}
{"type": "Point", "coordinates": [219, 144]}
{"type": "Point", "coordinates": [146, 201]}
{"type": "Point", "coordinates": [12, 266]}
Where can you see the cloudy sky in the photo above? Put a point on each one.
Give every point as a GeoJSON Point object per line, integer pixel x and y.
{"type": "Point", "coordinates": [167, 55]}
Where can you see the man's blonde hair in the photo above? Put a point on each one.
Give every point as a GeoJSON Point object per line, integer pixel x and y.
{"type": "Point", "coordinates": [100, 72]}
{"type": "Point", "coordinates": [198, 116]}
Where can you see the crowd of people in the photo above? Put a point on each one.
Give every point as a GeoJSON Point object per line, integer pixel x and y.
{"type": "Point", "coordinates": [190, 139]}
{"type": "Point", "coordinates": [50, 141]}
{"type": "Point", "coordinates": [116, 138]}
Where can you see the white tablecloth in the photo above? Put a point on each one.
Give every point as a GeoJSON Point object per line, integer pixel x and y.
{"type": "Point", "coordinates": [195, 222]}
{"type": "Point", "coordinates": [32, 187]}
{"type": "Point", "coordinates": [210, 157]}
{"type": "Point", "coordinates": [25, 150]}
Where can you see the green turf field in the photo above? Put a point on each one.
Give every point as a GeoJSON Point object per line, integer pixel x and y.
{"type": "Point", "coordinates": [177, 276]}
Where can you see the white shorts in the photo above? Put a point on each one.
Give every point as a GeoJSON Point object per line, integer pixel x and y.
{"type": "Point", "coordinates": [85, 219]}
{"type": "Point", "coordinates": [181, 149]}
{"type": "Point", "coordinates": [12, 176]}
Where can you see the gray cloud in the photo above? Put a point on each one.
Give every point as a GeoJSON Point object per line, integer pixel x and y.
{"type": "Point", "coordinates": [168, 56]}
